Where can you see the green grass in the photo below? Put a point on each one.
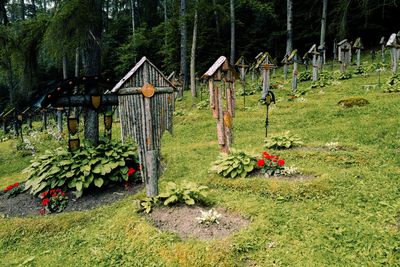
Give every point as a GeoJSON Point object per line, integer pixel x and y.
{"type": "Point", "coordinates": [347, 216]}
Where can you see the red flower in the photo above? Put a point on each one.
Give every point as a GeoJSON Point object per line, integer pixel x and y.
{"type": "Point", "coordinates": [16, 184]}
{"type": "Point", "coordinates": [45, 201]}
{"type": "Point", "coordinates": [52, 191]}
{"type": "Point", "coordinates": [261, 162]}
{"type": "Point", "coordinates": [8, 188]}
{"type": "Point", "coordinates": [281, 162]}
{"type": "Point", "coordinates": [266, 155]}
{"type": "Point", "coordinates": [58, 191]}
{"type": "Point", "coordinates": [62, 194]}
{"type": "Point", "coordinates": [54, 195]}
{"type": "Point", "coordinates": [131, 171]}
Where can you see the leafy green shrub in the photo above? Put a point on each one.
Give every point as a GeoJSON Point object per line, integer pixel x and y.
{"type": "Point", "coordinates": [305, 76]}
{"type": "Point", "coordinates": [360, 70]}
{"type": "Point", "coordinates": [324, 78]}
{"type": "Point", "coordinates": [392, 84]}
{"type": "Point", "coordinates": [233, 165]}
{"type": "Point", "coordinates": [344, 75]}
{"type": "Point", "coordinates": [25, 147]}
{"type": "Point", "coordinates": [81, 169]}
{"type": "Point", "coordinates": [186, 194]}
{"type": "Point", "coordinates": [202, 104]}
{"type": "Point", "coordinates": [285, 141]}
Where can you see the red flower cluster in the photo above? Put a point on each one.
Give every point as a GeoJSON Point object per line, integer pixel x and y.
{"type": "Point", "coordinates": [131, 171]}
{"type": "Point", "coordinates": [45, 196]}
{"type": "Point", "coordinates": [8, 188]}
{"type": "Point", "coordinates": [270, 164]}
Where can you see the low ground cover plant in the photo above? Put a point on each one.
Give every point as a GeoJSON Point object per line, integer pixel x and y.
{"type": "Point", "coordinates": [233, 165]}
{"type": "Point", "coordinates": [82, 169]}
{"type": "Point", "coordinates": [209, 217]}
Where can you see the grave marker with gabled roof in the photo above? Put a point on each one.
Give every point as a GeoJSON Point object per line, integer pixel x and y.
{"type": "Point", "coordinates": [146, 106]}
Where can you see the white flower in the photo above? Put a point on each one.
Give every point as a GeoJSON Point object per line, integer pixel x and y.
{"type": "Point", "coordinates": [208, 217]}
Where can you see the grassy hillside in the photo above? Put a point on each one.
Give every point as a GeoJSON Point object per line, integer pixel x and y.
{"type": "Point", "coordinates": [348, 215]}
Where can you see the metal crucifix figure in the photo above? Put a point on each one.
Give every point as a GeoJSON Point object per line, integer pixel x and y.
{"type": "Point", "coordinates": [270, 98]}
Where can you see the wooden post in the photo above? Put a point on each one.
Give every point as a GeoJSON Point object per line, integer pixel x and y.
{"type": "Point", "coordinates": [334, 50]}
{"type": "Point", "coordinates": [285, 67]}
{"type": "Point", "coordinates": [29, 120]}
{"type": "Point", "coordinates": [394, 59]}
{"type": "Point", "coordinates": [382, 43]}
{"type": "Point", "coordinates": [358, 51]}
{"type": "Point", "coordinates": [4, 126]}
{"type": "Point", "coordinates": [314, 68]}
{"type": "Point", "coordinates": [294, 74]}
{"type": "Point", "coordinates": [59, 122]}
{"type": "Point", "coordinates": [151, 158]}
{"type": "Point", "coordinates": [266, 77]}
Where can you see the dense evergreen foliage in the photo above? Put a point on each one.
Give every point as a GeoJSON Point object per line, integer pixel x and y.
{"type": "Point", "coordinates": [35, 36]}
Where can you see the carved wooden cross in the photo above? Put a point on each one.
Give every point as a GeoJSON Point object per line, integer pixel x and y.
{"type": "Point", "coordinates": [221, 77]}
{"type": "Point", "coordinates": [146, 104]}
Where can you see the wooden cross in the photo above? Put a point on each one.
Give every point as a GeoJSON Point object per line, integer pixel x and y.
{"type": "Point", "coordinates": [146, 103]}
{"type": "Point", "coordinates": [63, 96]}
{"type": "Point", "coordinates": [222, 72]}
{"type": "Point", "coordinates": [313, 51]}
{"type": "Point", "coordinates": [394, 44]}
{"type": "Point", "coordinates": [293, 58]}
{"type": "Point", "coordinates": [344, 53]}
{"type": "Point", "coordinates": [382, 43]}
{"type": "Point", "coordinates": [358, 46]}
{"type": "Point", "coordinates": [265, 66]}
{"type": "Point", "coordinates": [243, 67]}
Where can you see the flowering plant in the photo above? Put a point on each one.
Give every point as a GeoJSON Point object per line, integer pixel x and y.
{"type": "Point", "coordinates": [271, 165]}
{"type": "Point", "coordinates": [13, 190]}
{"type": "Point", "coordinates": [54, 200]}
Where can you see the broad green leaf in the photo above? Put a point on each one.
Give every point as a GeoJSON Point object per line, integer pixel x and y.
{"type": "Point", "coordinates": [79, 185]}
{"type": "Point", "coordinates": [98, 182]}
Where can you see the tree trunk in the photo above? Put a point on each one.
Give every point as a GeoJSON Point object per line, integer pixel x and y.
{"type": "Point", "coordinates": [3, 13]}
{"type": "Point", "coordinates": [22, 9]}
{"type": "Point", "coordinates": [232, 8]}
{"type": "Point", "coordinates": [216, 21]}
{"type": "Point", "coordinates": [33, 8]}
{"type": "Point", "coordinates": [165, 24]}
{"type": "Point", "coordinates": [289, 40]}
{"type": "Point", "coordinates": [343, 22]}
{"type": "Point", "coordinates": [133, 20]}
{"type": "Point", "coordinates": [323, 26]}
{"type": "Point", "coordinates": [92, 61]}
{"type": "Point", "coordinates": [193, 56]}
{"type": "Point", "coordinates": [44, 5]}
{"type": "Point", "coordinates": [183, 72]}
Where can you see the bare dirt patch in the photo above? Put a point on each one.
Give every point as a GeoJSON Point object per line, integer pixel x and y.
{"type": "Point", "coordinates": [25, 204]}
{"type": "Point", "coordinates": [182, 221]}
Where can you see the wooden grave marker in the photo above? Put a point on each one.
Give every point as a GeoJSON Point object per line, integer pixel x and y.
{"type": "Point", "coordinates": [382, 43]}
{"type": "Point", "coordinates": [344, 54]}
{"type": "Point", "coordinates": [394, 44]}
{"type": "Point", "coordinates": [313, 51]}
{"type": "Point", "coordinates": [146, 105]}
{"type": "Point", "coordinates": [265, 66]}
{"type": "Point", "coordinates": [221, 78]}
{"type": "Point", "coordinates": [358, 46]}
{"type": "Point", "coordinates": [243, 68]}
{"type": "Point", "coordinates": [293, 59]}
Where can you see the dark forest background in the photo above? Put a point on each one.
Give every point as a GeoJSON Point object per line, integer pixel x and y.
{"type": "Point", "coordinates": [41, 39]}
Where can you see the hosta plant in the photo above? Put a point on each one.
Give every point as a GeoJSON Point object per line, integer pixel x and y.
{"type": "Point", "coordinates": [271, 165]}
{"type": "Point", "coordinates": [209, 217]}
{"type": "Point", "coordinates": [54, 200]}
{"type": "Point", "coordinates": [234, 165]}
{"type": "Point", "coordinates": [186, 194]}
{"type": "Point", "coordinates": [305, 76]}
{"type": "Point", "coordinates": [82, 169]}
{"type": "Point", "coordinates": [285, 141]}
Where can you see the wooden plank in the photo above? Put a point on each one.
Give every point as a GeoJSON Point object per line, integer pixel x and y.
{"type": "Point", "coordinates": [151, 158]}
